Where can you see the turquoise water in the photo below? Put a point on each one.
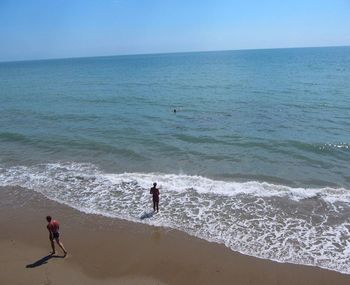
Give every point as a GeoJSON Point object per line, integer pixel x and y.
{"type": "Point", "coordinates": [268, 115]}
{"type": "Point", "coordinates": [259, 135]}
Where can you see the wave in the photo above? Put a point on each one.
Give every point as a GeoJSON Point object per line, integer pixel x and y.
{"type": "Point", "coordinates": [277, 222]}
{"type": "Point", "coordinates": [335, 146]}
{"type": "Point", "coordinates": [13, 137]}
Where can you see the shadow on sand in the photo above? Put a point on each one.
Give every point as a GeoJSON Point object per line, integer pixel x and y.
{"type": "Point", "coordinates": [43, 260]}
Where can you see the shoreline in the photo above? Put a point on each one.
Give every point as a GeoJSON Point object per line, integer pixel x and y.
{"type": "Point", "coordinates": [113, 251]}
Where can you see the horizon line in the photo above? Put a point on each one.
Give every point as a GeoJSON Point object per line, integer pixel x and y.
{"type": "Point", "coordinates": [165, 53]}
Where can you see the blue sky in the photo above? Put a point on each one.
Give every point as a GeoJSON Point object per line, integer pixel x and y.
{"type": "Point", "coordinates": [35, 29]}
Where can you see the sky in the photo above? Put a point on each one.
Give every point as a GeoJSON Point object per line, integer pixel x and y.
{"type": "Point", "coordinates": [40, 29]}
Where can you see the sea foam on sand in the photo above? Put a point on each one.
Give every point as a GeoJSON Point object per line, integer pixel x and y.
{"type": "Point", "coordinates": [277, 222]}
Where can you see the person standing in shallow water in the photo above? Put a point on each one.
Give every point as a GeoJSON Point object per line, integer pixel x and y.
{"type": "Point", "coordinates": [53, 227]}
{"type": "Point", "coordinates": [155, 195]}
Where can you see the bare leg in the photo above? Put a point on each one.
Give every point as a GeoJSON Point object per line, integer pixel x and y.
{"type": "Point", "coordinates": [154, 205]}
{"type": "Point", "coordinates": [61, 246]}
{"type": "Point", "coordinates": [157, 203]}
{"type": "Point", "coordinates": [53, 246]}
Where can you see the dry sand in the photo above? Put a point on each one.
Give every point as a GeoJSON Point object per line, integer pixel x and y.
{"type": "Point", "coordinates": [111, 251]}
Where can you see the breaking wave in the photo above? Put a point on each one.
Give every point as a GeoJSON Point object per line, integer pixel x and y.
{"type": "Point", "coordinates": [296, 225]}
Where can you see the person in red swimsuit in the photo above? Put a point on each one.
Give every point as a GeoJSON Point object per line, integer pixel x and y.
{"type": "Point", "coordinates": [155, 195]}
{"type": "Point", "coordinates": [53, 227]}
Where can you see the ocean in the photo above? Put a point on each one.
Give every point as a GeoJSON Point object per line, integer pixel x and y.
{"type": "Point", "coordinates": [255, 157]}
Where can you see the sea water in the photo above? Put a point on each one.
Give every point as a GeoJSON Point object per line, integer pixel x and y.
{"type": "Point", "coordinates": [256, 155]}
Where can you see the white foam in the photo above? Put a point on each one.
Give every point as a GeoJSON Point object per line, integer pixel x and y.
{"type": "Point", "coordinates": [307, 226]}
{"type": "Point", "coordinates": [181, 183]}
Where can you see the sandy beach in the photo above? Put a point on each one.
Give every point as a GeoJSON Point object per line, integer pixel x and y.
{"type": "Point", "coordinates": [231, 117]}
{"type": "Point", "coordinates": [110, 251]}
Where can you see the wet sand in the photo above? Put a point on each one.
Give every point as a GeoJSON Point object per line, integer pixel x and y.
{"type": "Point", "coordinates": [111, 251]}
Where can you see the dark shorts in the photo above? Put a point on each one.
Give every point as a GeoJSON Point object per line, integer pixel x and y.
{"type": "Point", "coordinates": [56, 235]}
{"type": "Point", "coordinates": [155, 200]}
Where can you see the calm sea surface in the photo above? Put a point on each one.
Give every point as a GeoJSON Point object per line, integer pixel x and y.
{"type": "Point", "coordinates": [256, 156]}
